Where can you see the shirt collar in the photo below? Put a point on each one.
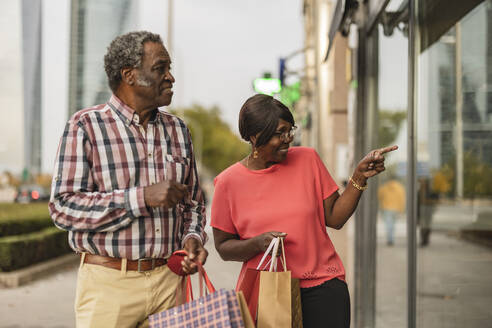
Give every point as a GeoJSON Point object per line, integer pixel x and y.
{"type": "Point", "coordinates": [129, 115]}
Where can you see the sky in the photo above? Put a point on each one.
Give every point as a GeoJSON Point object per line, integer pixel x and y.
{"type": "Point", "coordinates": [218, 48]}
{"type": "Point", "coordinates": [393, 71]}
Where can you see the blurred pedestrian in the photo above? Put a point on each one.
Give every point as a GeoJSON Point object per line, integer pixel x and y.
{"type": "Point", "coordinates": [391, 195]}
{"type": "Point", "coordinates": [426, 204]}
{"type": "Point", "coordinates": [126, 189]}
{"type": "Point", "coordinates": [279, 190]}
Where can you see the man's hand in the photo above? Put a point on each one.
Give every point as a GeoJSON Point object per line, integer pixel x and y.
{"type": "Point", "coordinates": [165, 194]}
{"type": "Point", "coordinates": [196, 252]}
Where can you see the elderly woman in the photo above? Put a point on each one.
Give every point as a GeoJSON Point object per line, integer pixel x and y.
{"type": "Point", "coordinates": [279, 190]}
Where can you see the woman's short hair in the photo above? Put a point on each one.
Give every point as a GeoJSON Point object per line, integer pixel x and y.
{"type": "Point", "coordinates": [260, 114]}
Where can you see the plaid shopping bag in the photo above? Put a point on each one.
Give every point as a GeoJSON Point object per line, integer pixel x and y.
{"type": "Point", "coordinates": [218, 309]}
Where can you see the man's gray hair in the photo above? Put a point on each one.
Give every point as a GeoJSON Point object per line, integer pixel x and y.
{"type": "Point", "coordinates": [126, 51]}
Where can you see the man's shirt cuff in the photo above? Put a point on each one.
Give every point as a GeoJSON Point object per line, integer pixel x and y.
{"type": "Point", "coordinates": [192, 235]}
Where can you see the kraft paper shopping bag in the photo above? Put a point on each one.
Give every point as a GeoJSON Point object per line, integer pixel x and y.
{"type": "Point", "coordinates": [296, 305]}
{"type": "Point", "coordinates": [274, 300]}
{"type": "Point", "coordinates": [274, 294]}
{"type": "Point", "coordinates": [245, 314]}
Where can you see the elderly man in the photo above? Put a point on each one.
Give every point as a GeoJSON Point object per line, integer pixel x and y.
{"type": "Point", "coordinates": [126, 189]}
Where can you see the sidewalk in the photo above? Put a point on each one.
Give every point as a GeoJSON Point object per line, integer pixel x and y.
{"type": "Point", "coordinates": [454, 287]}
{"type": "Point", "coordinates": [454, 282]}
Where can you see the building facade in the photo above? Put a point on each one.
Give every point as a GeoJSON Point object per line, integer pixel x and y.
{"type": "Point", "coordinates": [418, 76]}
{"type": "Point", "coordinates": [20, 149]}
{"type": "Point", "coordinates": [32, 63]}
{"type": "Point", "coordinates": [11, 89]}
{"type": "Point", "coordinates": [322, 109]}
{"type": "Point", "coordinates": [93, 25]}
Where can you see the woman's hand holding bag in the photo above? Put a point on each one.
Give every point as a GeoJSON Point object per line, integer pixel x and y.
{"type": "Point", "coordinates": [273, 296]}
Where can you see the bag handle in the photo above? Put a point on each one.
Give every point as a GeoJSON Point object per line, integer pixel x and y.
{"type": "Point", "coordinates": [184, 293]}
{"type": "Point", "coordinates": [202, 278]}
{"type": "Point", "coordinates": [283, 261]}
{"type": "Point", "coordinates": [273, 248]}
{"type": "Point", "coordinates": [273, 263]}
{"type": "Point", "coordinates": [266, 253]}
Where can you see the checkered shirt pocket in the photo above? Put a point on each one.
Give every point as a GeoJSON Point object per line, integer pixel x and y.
{"type": "Point", "coordinates": [216, 310]}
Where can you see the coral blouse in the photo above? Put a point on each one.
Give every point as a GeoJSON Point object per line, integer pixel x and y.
{"type": "Point", "coordinates": [286, 197]}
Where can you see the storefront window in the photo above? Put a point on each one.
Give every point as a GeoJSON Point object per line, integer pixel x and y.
{"type": "Point", "coordinates": [454, 154]}
{"type": "Point", "coordinates": [391, 270]}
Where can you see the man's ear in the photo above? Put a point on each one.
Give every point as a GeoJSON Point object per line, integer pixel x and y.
{"type": "Point", "coordinates": [128, 75]}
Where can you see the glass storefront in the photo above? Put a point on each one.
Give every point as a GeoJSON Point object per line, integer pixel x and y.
{"type": "Point", "coordinates": [450, 187]}
{"type": "Point", "coordinates": [391, 246]}
{"type": "Point", "coordinates": [423, 73]}
{"type": "Point", "coordinates": [454, 147]}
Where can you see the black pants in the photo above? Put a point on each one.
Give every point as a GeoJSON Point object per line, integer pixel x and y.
{"type": "Point", "coordinates": [326, 305]}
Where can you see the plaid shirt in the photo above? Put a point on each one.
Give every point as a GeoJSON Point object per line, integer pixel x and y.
{"type": "Point", "coordinates": [105, 159]}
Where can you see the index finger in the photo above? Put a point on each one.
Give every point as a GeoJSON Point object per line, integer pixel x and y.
{"type": "Point", "coordinates": [387, 149]}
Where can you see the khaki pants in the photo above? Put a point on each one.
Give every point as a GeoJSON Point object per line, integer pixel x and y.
{"type": "Point", "coordinates": [112, 298]}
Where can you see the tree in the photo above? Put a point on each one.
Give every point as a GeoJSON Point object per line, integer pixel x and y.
{"type": "Point", "coordinates": [213, 139]}
{"type": "Point", "coordinates": [477, 177]}
{"type": "Point", "coordinates": [389, 126]}
{"type": "Point", "coordinates": [12, 180]}
{"type": "Point", "coordinates": [442, 180]}
{"type": "Point", "coordinates": [44, 180]}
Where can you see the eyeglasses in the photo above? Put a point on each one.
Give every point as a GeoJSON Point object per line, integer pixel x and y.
{"type": "Point", "coordinates": [285, 136]}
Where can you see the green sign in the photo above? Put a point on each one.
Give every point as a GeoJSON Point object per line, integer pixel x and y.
{"type": "Point", "coordinates": [267, 86]}
{"type": "Point", "coordinates": [290, 94]}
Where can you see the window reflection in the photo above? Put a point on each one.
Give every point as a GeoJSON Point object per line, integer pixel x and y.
{"type": "Point", "coordinates": [391, 270]}
{"type": "Point", "coordinates": [454, 129]}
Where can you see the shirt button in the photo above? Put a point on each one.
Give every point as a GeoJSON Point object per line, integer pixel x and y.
{"type": "Point", "coordinates": [150, 154]}
{"type": "Point", "coordinates": [157, 230]}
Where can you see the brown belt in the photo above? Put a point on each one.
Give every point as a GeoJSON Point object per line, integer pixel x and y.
{"type": "Point", "coordinates": [140, 265]}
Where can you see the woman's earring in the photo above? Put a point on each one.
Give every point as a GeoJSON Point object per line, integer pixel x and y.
{"type": "Point", "coordinates": [255, 154]}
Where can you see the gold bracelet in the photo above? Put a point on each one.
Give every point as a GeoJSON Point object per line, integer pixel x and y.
{"type": "Point", "coordinates": [356, 185]}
